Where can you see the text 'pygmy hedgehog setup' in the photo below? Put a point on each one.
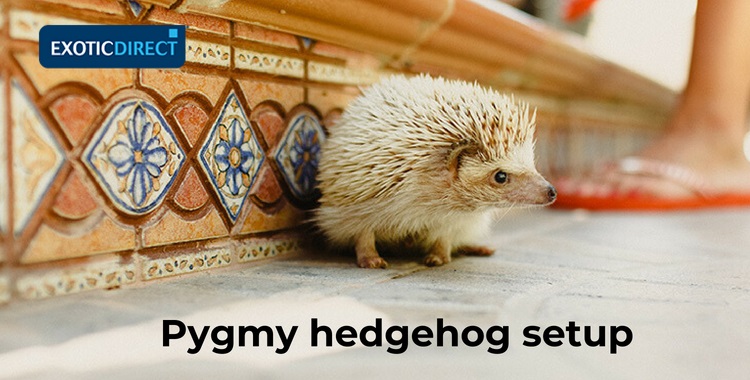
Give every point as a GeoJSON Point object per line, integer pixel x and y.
{"type": "Point", "coordinates": [426, 162]}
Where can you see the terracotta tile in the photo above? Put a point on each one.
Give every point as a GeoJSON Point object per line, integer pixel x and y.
{"type": "Point", "coordinates": [74, 113]}
{"type": "Point", "coordinates": [105, 81]}
{"type": "Point", "coordinates": [462, 48]}
{"type": "Point", "coordinates": [326, 99]}
{"type": "Point", "coordinates": [160, 266]}
{"type": "Point", "coordinates": [298, 154]}
{"type": "Point", "coordinates": [260, 34]}
{"type": "Point", "coordinates": [164, 3]}
{"type": "Point", "coordinates": [371, 25]}
{"type": "Point", "coordinates": [466, 46]}
{"type": "Point", "coordinates": [262, 248]}
{"type": "Point", "coordinates": [268, 189]}
{"type": "Point", "coordinates": [287, 216]}
{"type": "Point", "coordinates": [38, 156]}
{"type": "Point", "coordinates": [74, 201]}
{"type": "Point", "coordinates": [173, 229]}
{"type": "Point", "coordinates": [269, 63]}
{"type": "Point", "coordinates": [231, 156]}
{"type": "Point", "coordinates": [351, 58]}
{"type": "Point", "coordinates": [331, 118]}
{"type": "Point", "coordinates": [257, 91]}
{"type": "Point", "coordinates": [104, 273]}
{"type": "Point", "coordinates": [25, 25]}
{"type": "Point", "coordinates": [2, 19]}
{"type": "Point", "coordinates": [207, 53]}
{"type": "Point", "coordinates": [4, 144]}
{"type": "Point", "coordinates": [103, 6]}
{"type": "Point", "coordinates": [431, 11]}
{"type": "Point", "coordinates": [4, 289]}
{"type": "Point", "coordinates": [191, 195]}
{"type": "Point", "coordinates": [136, 180]}
{"type": "Point", "coordinates": [105, 236]}
{"type": "Point", "coordinates": [170, 83]}
{"type": "Point", "coordinates": [331, 73]}
{"type": "Point", "coordinates": [194, 22]}
{"type": "Point", "coordinates": [519, 35]}
{"type": "Point", "coordinates": [505, 77]}
{"type": "Point", "coordinates": [192, 119]}
{"type": "Point", "coordinates": [270, 122]}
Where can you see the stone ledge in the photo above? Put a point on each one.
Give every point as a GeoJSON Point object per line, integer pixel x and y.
{"type": "Point", "coordinates": [487, 41]}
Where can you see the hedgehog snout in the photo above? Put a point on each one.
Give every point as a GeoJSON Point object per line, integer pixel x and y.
{"type": "Point", "coordinates": [551, 193]}
{"type": "Point", "coordinates": [548, 194]}
{"type": "Point", "coordinates": [534, 190]}
{"type": "Point", "coordinates": [545, 195]}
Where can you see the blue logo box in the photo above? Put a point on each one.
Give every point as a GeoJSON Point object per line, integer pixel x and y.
{"type": "Point", "coordinates": [112, 46]}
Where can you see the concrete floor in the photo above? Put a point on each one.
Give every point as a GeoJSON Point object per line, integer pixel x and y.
{"type": "Point", "coordinates": [680, 282]}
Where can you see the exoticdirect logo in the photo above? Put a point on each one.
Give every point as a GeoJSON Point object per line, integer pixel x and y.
{"type": "Point", "coordinates": [112, 46]}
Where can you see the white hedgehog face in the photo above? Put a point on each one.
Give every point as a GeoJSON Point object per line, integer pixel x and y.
{"type": "Point", "coordinates": [499, 183]}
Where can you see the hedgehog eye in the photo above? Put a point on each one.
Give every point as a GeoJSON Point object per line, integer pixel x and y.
{"type": "Point", "coordinates": [501, 177]}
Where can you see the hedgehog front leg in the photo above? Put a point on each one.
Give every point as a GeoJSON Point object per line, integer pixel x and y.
{"type": "Point", "coordinates": [439, 253]}
{"type": "Point", "coordinates": [367, 255]}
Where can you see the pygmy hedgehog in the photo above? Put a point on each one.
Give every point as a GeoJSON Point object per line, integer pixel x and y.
{"type": "Point", "coordinates": [426, 161]}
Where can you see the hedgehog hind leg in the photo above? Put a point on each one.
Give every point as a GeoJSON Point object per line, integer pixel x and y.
{"type": "Point", "coordinates": [367, 254]}
{"type": "Point", "coordinates": [474, 250]}
{"type": "Point", "coordinates": [439, 253]}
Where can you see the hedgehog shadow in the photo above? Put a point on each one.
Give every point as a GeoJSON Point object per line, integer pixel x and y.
{"type": "Point", "coordinates": [316, 247]}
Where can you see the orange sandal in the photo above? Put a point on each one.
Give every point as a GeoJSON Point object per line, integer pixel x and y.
{"type": "Point", "coordinates": [639, 201]}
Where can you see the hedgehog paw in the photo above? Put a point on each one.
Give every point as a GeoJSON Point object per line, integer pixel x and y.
{"type": "Point", "coordinates": [372, 262]}
{"type": "Point", "coordinates": [439, 254]}
{"type": "Point", "coordinates": [367, 255]}
{"type": "Point", "coordinates": [433, 260]}
{"type": "Point", "coordinates": [475, 250]}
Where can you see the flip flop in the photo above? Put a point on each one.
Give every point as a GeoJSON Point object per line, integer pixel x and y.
{"type": "Point", "coordinates": [638, 201]}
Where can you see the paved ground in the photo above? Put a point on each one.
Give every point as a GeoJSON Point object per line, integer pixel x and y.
{"type": "Point", "coordinates": [680, 283]}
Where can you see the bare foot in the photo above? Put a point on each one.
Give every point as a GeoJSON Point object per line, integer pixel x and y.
{"type": "Point", "coordinates": [713, 157]}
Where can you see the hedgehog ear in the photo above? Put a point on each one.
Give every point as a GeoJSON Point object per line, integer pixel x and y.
{"type": "Point", "coordinates": [457, 152]}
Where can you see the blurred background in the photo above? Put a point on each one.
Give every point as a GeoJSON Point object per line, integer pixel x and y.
{"type": "Point", "coordinates": [652, 38]}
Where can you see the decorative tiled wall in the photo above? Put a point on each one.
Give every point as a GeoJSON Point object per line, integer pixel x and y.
{"type": "Point", "coordinates": [119, 176]}
{"type": "Point", "coordinates": [112, 177]}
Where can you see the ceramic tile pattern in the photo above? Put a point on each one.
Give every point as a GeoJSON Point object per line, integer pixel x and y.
{"type": "Point", "coordinates": [120, 176]}
{"type": "Point", "coordinates": [299, 153]}
{"type": "Point", "coordinates": [104, 274]}
{"type": "Point", "coordinates": [231, 156]}
{"type": "Point", "coordinates": [118, 161]}
{"type": "Point", "coordinates": [134, 156]}
{"type": "Point", "coordinates": [188, 262]}
{"type": "Point", "coordinates": [36, 157]}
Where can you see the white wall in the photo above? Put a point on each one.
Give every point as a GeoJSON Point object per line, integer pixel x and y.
{"type": "Point", "coordinates": [651, 37]}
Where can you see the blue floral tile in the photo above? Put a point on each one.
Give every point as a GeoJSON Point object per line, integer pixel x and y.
{"type": "Point", "coordinates": [134, 156]}
{"type": "Point", "coordinates": [231, 156]}
{"type": "Point", "coordinates": [298, 154]}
